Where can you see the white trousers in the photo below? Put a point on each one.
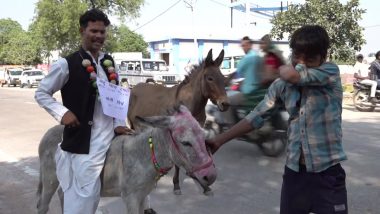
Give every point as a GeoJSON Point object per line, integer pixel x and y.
{"type": "Point", "coordinates": [76, 203]}
{"type": "Point", "coordinates": [79, 181]}
{"type": "Point", "coordinates": [373, 85]}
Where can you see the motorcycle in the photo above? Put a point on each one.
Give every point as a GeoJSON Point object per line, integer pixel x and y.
{"type": "Point", "coordinates": [271, 138]}
{"type": "Point", "coordinates": [361, 97]}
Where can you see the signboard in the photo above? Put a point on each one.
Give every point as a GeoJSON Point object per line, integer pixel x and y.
{"type": "Point", "coordinates": [114, 99]}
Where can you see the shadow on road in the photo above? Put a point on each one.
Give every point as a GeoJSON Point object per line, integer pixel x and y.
{"type": "Point", "coordinates": [362, 145]}
{"type": "Point", "coordinates": [247, 182]}
{"type": "Point", "coordinates": [18, 186]}
{"type": "Point", "coordinates": [351, 107]}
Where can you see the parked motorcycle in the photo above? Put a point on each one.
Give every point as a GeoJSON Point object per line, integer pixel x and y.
{"type": "Point", "coordinates": [361, 97]}
{"type": "Point", "coordinates": [271, 138]}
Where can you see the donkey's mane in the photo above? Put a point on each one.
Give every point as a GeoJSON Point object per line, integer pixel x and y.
{"type": "Point", "coordinates": [195, 70]}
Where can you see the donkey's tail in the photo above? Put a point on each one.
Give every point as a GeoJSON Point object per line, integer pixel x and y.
{"type": "Point", "coordinates": [39, 193]}
{"type": "Point", "coordinates": [39, 190]}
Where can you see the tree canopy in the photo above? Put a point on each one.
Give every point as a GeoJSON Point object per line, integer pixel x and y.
{"type": "Point", "coordinates": [122, 39]}
{"type": "Point", "coordinates": [17, 46]}
{"type": "Point", "coordinates": [56, 27]}
{"type": "Point", "coordinates": [7, 28]}
{"type": "Point", "coordinates": [21, 49]}
{"type": "Point", "coordinates": [57, 21]}
{"type": "Point", "coordinates": [340, 21]}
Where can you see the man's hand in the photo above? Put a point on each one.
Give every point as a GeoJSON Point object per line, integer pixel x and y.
{"type": "Point", "coordinates": [289, 74]}
{"type": "Point", "coordinates": [213, 144]}
{"type": "Point", "coordinates": [70, 120]}
{"type": "Point", "coordinates": [123, 130]}
{"type": "Point", "coordinates": [239, 129]}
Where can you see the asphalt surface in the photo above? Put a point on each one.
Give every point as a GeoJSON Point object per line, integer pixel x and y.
{"type": "Point", "coordinates": [247, 182]}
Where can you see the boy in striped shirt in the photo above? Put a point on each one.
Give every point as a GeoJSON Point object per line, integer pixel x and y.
{"type": "Point", "coordinates": [311, 92]}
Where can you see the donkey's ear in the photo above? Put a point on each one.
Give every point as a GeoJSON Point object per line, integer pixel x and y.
{"type": "Point", "coordinates": [208, 60]}
{"type": "Point", "coordinates": [155, 121]}
{"type": "Point", "coordinates": [218, 61]}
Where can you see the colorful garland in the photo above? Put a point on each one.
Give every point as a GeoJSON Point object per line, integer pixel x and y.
{"type": "Point", "coordinates": [90, 69]}
{"type": "Point", "coordinates": [161, 171]}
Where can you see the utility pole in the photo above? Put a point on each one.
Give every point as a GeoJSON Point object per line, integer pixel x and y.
{"type": "Point", "coordinates": [247, 15]}
{"type": "Point", "coordinates": [191, 5]}
{"type": "Point", "coordinates": [232, 17]}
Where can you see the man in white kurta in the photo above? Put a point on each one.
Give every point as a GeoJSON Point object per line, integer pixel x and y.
{"type": "Point", "coordinates": [362, 74]}
{"type": "Point", "coordinates": [78, 174]}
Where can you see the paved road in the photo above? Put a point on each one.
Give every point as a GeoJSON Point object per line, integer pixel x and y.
{"type": "Point", "coordinates": [247, 181]}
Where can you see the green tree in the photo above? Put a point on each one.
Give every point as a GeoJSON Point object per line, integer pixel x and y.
{"type": "Point", "coordinates": [122, 8]}
{"type": "Point", "coordinates": [21, 49]}
{"type": "Point", "coordinates": [56, 21]}
{"type": "Point", "coordinates": [340, 21]}
{"type": "Point", "coordinates": [122, 39]}
{"type": "Point", "coordinates": [8, 28]}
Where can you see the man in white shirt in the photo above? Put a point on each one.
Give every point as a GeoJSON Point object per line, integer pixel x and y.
{"type": "Point", "coordinates": [88, 131]}
{"type": "Point", "coordinates": [361, 73]}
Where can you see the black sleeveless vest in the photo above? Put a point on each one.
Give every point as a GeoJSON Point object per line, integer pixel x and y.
{"type": "Point", "coordinates": [79, 96]}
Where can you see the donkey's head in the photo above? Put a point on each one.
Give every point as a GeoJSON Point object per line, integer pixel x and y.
{"type": "Point", "coordinates": [187, 144]}
{"type": "Point", "coordinates": [213, 81]}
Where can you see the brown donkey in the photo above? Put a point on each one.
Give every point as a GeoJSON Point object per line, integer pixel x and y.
{"type": "Point", "coordinates": [205, 81]}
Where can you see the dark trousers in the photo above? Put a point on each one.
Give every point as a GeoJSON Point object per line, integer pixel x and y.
{"type": "Point", "coordinates": [321, 193]}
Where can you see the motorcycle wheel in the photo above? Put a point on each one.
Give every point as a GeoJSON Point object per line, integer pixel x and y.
{"type": "Point", "coordinates": [359, 98]}
{"type": "Point", "coordinates": [274, 146]}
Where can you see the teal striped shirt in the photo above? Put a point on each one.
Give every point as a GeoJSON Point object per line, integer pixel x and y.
{"type": "Point", "coordinates": [315, 109]}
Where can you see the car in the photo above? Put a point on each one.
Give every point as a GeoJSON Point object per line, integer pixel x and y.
{"type": "Point", "coordinates": [3, 79]}
{"type": "Point", "coordinates": [31, 78]}
{"type": "Point", "coordinates": [13, 76]}
{"type": "Point", "coordinates": [132, 72]}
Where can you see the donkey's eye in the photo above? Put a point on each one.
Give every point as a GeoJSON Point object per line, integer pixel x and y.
{"type": "Point", "coordinates": [210, 79]}
{"type": "Point", "coordinates": [186, 143]}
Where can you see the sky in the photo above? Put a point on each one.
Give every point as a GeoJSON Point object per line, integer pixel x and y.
{"type": "Point", "coordinates": [211, 18]}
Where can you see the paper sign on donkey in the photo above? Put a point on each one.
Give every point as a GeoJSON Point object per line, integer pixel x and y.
{"type": "Point", "coordinates": [115, 99]}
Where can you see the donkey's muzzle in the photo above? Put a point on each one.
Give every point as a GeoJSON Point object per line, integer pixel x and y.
{"type": "Point", "coordinates": [223, 105]}
{"type": "Point", "coordinates": [205, 175]}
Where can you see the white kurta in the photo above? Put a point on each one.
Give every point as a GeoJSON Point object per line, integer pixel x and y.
{"type": "Point", "coordinates": [78, 173]}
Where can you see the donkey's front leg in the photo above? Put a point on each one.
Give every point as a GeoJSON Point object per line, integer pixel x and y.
{"type": "Point", "coordinates": [133, 204]}
{"type": "Point", "coordinates": [177, 188]}
{"type": "Point", "coordinates": [61, 197]}
{"type": "Point", "coordinates": [207, 191]}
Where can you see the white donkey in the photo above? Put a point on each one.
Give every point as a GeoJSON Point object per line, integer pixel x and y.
{"type": "Point", "coordinates": [134, 163]}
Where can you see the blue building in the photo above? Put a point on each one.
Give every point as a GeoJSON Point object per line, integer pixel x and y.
{"type": "Point", "coordinates": [179, 52]}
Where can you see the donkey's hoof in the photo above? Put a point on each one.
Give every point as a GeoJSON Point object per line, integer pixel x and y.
{"type": "Point", "coordinates": [177, 192]}
{"type": "Point", "coordinates": [150, 211]}
{"type": "Point", "coordinates": [208, 192]}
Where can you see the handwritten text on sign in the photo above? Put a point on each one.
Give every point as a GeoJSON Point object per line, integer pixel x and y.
{"type": "Point", "coordinates": [115, 99]}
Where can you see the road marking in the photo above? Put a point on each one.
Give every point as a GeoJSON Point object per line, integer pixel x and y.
{"type": "Point", "coordinates": [10, 159]}
{"type": "Point", "coordinates": [30, 171]}
{"type": "Point", "coordinates": [7, 158]}
{"type": "Point", "coordinates": [31, 103]}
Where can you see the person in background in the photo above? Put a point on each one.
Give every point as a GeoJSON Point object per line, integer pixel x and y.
{"type": "Point", "coordinates": [375, 67]}
{"type": "Point", "coordinates": [249, 68]}
{"type": "Point", "coordinates": [362, 74]}
{"type": "Point", "coordinates": [311, 91]}
{"type": "Point", "coordinates": [273, 59]}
